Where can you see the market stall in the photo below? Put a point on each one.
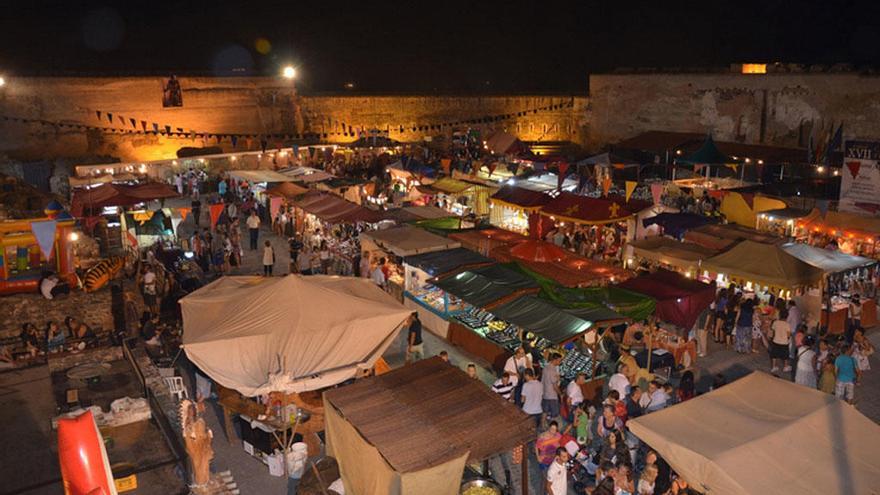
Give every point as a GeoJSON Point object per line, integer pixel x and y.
{"type": "Point", "coordinates": [563, 267]}
{"type": "Point", "coordinates": [460, 197]}
{"type": "Point", "coordinates": [450, 420]}
{"type": "Point", "coordinates": [677, 224]}
{"type": "Point", "coordinates": [851, 233]}
{"type": "Point", "coordinates": [511, 206]}
{"type": "Point", "coordinates": [682, 257]}
{"type": "Point", "coordinates": [92, 201]}
{"type": "Point", "coordinates": [761, 268]}
{"type": "Point", "coordinates": [723, 236]}
{"type": "Point", "coordinates": [394, 244]}
{"type": "Point", "coordinates": [287, 190]}
{"type": "Point", "coordinates": [680, 301]}
{"type": "Point", "coordinates": [846, 276]}
{"type": "Point", "coordinates": [837, 447]}
{"type": "Point", "coordinates": [603, 224]}
{"type": "Point", "coordinates": [421, 268]}
{"type": "Point", "coordinates": [781, 222]}
{"type": "Point", "coordinates": [258, 180]}
{"type": "Point", "coordinates": [469, 290]}
{"type": "Point", "coordinates": [484, 241]}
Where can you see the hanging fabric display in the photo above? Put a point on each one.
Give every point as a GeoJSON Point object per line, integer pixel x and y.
{"type": "Point", "coordinates": [274, 206]}
{"type": "Point", "coordinates": [44, 232]}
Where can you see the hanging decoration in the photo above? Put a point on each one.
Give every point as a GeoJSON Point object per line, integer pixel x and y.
{"type": "Point", "coordinates": [606, 186]}
{"type": "Point", "coordinates": [44, 232]}
{"type": "Point", "coordinates": [657, 193]}
{"type": "Point", "coordinates": [215, 211]}
{"type": "Point", "coordinates": [630, 186]}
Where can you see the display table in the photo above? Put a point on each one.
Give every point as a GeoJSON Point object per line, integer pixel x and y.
{"type": "Point", "coordinates": [432, 321]}
{"type": "Point", "coordinates": [477, 345]}
{"type": "Point", "coordinates": [837, 323]}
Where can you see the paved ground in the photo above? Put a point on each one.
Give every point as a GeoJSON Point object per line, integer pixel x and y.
{"type": "Point", "coordinates": [26, 402]}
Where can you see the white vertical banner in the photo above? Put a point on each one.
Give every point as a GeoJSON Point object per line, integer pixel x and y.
{"type": "Point", "coordinates": [860, 178]}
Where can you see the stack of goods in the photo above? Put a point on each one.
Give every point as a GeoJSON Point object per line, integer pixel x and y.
{"type": "Point", "coordinates": [504, 334]}
{"type": "Point", "coordinates": [475, 317]}
{"type": "Point", "coordinates": [575, 362]}
{"type": "Point", "coordinates": [435, 297]}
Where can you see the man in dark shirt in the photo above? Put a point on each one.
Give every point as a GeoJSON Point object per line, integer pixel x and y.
{"type": "Point", "coordinates": [295, 247]}
{"type": "Point", "coordinates": [196, 210]}
{"type": "Point", "coordinates": [633, 408]}
{"type": "Point", "coordinates": [415, 349]}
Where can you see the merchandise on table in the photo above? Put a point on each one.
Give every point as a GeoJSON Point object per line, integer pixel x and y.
{"type": "Point", "coordinates": [575, 362]}
{"type": "Point", "coordinates": [439, 300]}
{"type": "Point", "coordinates": [475, 318]}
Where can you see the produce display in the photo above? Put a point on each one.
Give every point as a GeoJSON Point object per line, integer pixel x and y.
{"type": "Point", "coordinates": [575, 362]}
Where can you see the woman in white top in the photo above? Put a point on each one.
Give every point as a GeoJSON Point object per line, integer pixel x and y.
{"type": "Point", "coordinates": [805, 373]}
{"type": "Point", "coordinates": [647, 479]}
{"type": "Point", "coordinates": [268, 259]}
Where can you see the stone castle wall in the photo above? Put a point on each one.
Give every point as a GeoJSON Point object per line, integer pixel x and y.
{"type": "Point", "coordinates": [777, 109]}
{"type": "Point", "coordinates": [58, 117]}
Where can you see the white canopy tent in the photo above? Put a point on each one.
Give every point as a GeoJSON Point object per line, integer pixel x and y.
{"type": "Point", "coordinates": [288, 334]}
{"type": "Point", "coordinates": [761, 435]}
{"type": "Point", "coordinates": [259, 175]}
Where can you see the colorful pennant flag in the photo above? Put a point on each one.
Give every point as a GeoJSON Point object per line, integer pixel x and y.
{"type": "Point", "coordinates": [445, 163]}
{"type": "Point", "coordinates": [215, 211]}
{"type": "Point", "coordinates": [606, 186]}
{"type": "Point", "coordinates": [657, 193]}
{"type": "Point", "coordinates": [44, 232]}
{"type": "Point", "coordinates": [184, 212]}
{"type": "Point", "coordinates": [630, 186]}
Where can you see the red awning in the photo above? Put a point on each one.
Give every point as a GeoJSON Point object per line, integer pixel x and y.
{"type": "Point", "coordinates": [540, 251]}
{"type": "Point", "coordinates": [680, 300]}
{"type": "Point", "coordinates": [582, 209]}
{"type": "Point", "coordinates": [333, 209]}
{"type": "Point", "coordinates": [105, 195]}
{"type": "Point", "coordinates": [569, 269]}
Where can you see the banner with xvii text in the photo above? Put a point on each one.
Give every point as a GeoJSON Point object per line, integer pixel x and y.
{"type": "Point", "coordinates": [860, 178]}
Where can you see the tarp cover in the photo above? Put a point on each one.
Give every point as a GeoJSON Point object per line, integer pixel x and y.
{"type": "Point", "coordinates": [570, 271]}
{"type": "Point", "coordinates": [542, 318]}
{"type": "Point", "coordinates": [449, 185]}
{"type": "Point", "coordinates": [410, 431]}
{"type": "Point", "coordinates": [485, 285]}
{"type": "Point", "coordinates": [680, 300]}
{"type": "Point", "coordinates": [485, 240]}
{"type": "Point", "coordinates": [583, 209]}
{"type": "Point", "coordinates": [761, 435]}
{"type": "Point", "coordinates": [333, 209]}
{"type": "Point", "coordinates": [627, 303]}
{"type": "Point", "coordinates": [523, 198]}
{"type": "Point", "coordinates": [287, 190]}
{"type": "Point", "coordinates": [99, 197]}
{"type": "Point", "coordinates": [441, 262]}
{"type": "Point", "coordinates": [708, 154]}
{"type": "Point", "coordinates": [407, 241]}
{"type": "Point", "coordinates": [765, 264]}
{"type": "Point", "coordinates": [677, 224]}
{"type": "Point", "coordinates": [259, 175]}
{"type": "Point", "coordinates": [826, 260]}
{"type": "Point", "coordinates": [290, 334]}
{"type": "Point", "coordinates": [684, 255]}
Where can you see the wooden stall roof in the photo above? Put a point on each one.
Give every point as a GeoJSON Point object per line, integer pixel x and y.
{"type": "Point", "coordinates": [427, 413]}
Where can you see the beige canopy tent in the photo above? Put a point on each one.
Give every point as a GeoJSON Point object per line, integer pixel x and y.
{"type": "Point", "coordinates": [410, 431]}
{"type": "Point", "coordinates": [288, 334]}
{"type": "Point", "coordinates": [407, 241]}
{"type": "Point", "coordinates": [765, 264]}
{"type": "Point", "coordinates": [684, 256]}
{"type": "Point", "coordinates": [259, 175]}
{"type": "Point", "coordinates": [762, 435]}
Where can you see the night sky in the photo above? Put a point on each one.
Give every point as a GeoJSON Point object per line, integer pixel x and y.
{"type": "Point", "coordinates": [442, 46]}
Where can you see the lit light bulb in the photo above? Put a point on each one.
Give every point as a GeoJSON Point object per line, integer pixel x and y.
{"type": "Point", "coordinates": [289, 72]}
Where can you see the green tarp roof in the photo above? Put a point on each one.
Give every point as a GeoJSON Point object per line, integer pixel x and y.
{"type": "Point", "coordinates": [538, 316]}
{"type": "Point", "coordinates": [485, 285]}
{"type": "Point", "coordinates": [627, 303]}
{"type": "Point", "coordinates": [708, 154]}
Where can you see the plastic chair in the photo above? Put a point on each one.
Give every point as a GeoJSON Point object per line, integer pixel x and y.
{"type": "Point", "coordinates": [176, 387]}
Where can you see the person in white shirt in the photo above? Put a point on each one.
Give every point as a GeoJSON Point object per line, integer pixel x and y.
{"type": "Point", "coordinates": [658, 397]}
{"type": "Point", "coordinates": [268, 259]}
{"type": "Point", "coordinates": [557, 474]}
{"type": "Point", "coordinates": [619, 381]}
{"type": "Point", "coordinates": [304, 261]}
{"type": "Point", "coordinates": [378, 276]}
{"type": "Point", "coordinates": [574, 394]}
{"type": "Point", "coordinates": [532, 394]}
{"type": "Point", "coordinates": [253, 223]}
